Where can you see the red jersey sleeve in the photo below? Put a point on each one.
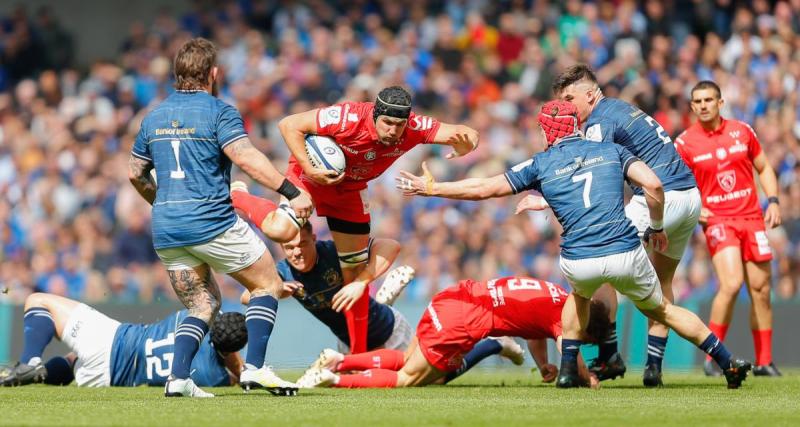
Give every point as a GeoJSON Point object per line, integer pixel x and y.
{"type": "Point", "coordinates": [422, 128]}
{"type": "Point", "coordinates": [680, 147]}
{"type": "Point", "coordinates": [753, 145]}
{"type": "Point", "coordinates": [331, 121]}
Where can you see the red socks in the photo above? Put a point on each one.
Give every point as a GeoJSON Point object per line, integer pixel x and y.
{"type": "Point", "coordinates": [762, 340]}
{"type": "Point", "coordinates": [254, 207]}
{"type": "Point", "coordinates": [373, 378]}
{"type": "Point", "coordinates": [719, 330]}
{"type": "Point", "coordinates": [357, 321]}
{"type": "Point", "coordinates": [379, 359]}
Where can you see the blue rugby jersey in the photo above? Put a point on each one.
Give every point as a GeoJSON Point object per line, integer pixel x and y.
{"type": "Point", "coordinates": [617, 121]}
{"type": "Point", "coordinates": [321, 283]}
{"type": "Point", "coordinates": [584, 184]}
{"type": "Point", "coordinates": [184, 137]}
{"type": "Point", "coordinates": [142, 355]}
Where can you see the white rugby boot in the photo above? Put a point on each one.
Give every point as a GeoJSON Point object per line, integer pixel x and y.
{"type": "Point", "coordinates": [264, 378]}
{"type": "Point", "coordinates": [396, 281]}
{"type": "Point", "coordinates": [511, 350]}
{"type": "Point", "coordinates": [317, 377]}
{"type": "Point", "coordinates": [176, 387]}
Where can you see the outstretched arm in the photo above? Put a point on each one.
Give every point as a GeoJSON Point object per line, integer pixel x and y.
{"type": "Point", "coordinates": [463, 139]}
{"type": "Point", "coordinates": [466, 189]}
{"type": "Point", "coordinates": [538, 349]}
{"type": "Point", "coordinates": [139, 175]}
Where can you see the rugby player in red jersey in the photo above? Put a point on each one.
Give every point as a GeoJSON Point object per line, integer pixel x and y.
{"type": "Point", "coordinates": [457, 319]}
{"type": "Point", "coordinates": [372, 136]}
{"type": "Point", "coordinates": [722, 154]}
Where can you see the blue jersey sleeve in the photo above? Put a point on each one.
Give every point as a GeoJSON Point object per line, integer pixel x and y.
{"type": "Point", "coordinates": [626, 158]}
{"type": "Point", "coordinates": [600, 130]}
{"type": "Point", "coordinates": [284, 271]}
{"type": "Point", "coordinates": [524, 176]}
{"type": "Point", "coordinates": [230, 126]}
{"type": "Point", "coordinates": [141, 148]}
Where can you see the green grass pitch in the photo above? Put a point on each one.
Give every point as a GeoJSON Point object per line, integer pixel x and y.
{"type": "Point", "coordinates": [496, 398]}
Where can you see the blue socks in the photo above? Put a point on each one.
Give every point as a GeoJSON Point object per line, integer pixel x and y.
{"type": "Point", "coordinates": [608, 347]}
{"type": "Point", "coordinates": [188, 337]}
{"type": "Point", "coordinates": [481, 351]}
{"type": "Point", "coordinates": [714, 348]}
{"type": "Point", "coordinates": [259, 318]}
{"type": "Point", "coordinates": [569, 351]}
{"type": "Point", "coordinates": [655, 350]}
{"type": "Point", "coordinates": [59, 371]}
{"type": "Point", "coordinates": [39, 329]}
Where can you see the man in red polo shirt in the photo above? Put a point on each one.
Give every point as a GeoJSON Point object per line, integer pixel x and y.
{"type": "Point", "coordinates": [372, 136]}
{"type": "Point", "coordinates": [722, 154]}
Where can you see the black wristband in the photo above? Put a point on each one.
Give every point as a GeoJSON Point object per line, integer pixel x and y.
{"type": "Point", "coordinates": [773, 199]}
{"type": "Point", "coordinates": [288, 190]}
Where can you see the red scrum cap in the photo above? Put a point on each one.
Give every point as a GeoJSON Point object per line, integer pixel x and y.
{"type": "Point", "coordinates": [558, 119]}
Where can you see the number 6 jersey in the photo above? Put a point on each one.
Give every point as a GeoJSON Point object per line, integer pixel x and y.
{"type": "Point", "coordinates": [142, 354]}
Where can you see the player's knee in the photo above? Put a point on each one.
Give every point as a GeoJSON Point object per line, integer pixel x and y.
{"type": "Point", "coordinates": [728, 290]}
{"type": "Point", "coordinates": [279, 229]}
{"type": "Point", "coordinates": [36, 299]}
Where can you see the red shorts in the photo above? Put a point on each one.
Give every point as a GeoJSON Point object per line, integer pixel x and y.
{"type": "Point", "coordinates": [451, 325]}
{"type": "Point", "coordinates": [749, 235]}
{"type": "Point", "coordinates": [333, 201]}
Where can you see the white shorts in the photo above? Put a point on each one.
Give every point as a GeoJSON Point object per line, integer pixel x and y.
{"type": "Point", "coordinates": [90, 334]}
{"type": "Point", "coordinates": [236, 248]}
{"type": "Point", "coordinates": [681, 212]}
{"type": "Point", "coordinates": [630, 273]}
{"type": "Point", "coordinates": [402, 333]}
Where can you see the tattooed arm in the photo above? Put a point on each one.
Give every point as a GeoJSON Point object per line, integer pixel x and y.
{"type": "Point", "coordinates": [254, 163]}
{"type": "Point", "coordinates": [139, 175]}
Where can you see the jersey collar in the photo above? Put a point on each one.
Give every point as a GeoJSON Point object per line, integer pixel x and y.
{"type": "Point", "coordinates": [717, 131]}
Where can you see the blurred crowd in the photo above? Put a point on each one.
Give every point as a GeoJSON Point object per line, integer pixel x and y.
{"type": "Point", "coordinates": [70, 223]}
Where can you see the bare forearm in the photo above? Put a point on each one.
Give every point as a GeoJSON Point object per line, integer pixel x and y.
{"type": "Point", "coordinates": [139, 176]}
{"type": "Point", "coordinates": [655, 202]}
{"type": "Point", "coordinates": [254, 163]}
{"type": "Point", "coordinates": [381, 257]}
{"type": "Point", "coordinates": [538, 349]}
{"type": "Point", "coordinates": [471, 189]}
{"type": "Point", "coordinates": [769, 181]}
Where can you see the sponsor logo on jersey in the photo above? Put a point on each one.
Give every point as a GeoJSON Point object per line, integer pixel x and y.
{"type": "Point", "coordinates": [75, 329]}
{"type": "Point", "coordinates": [174, 131]}
{"type": "Point", "coordinates": [717, 233]}
{"type": "Point", "coordinates": [332, 277]}
{"type": "Point", "coordinates": [721, 153]}
{"type": "Point", "coordinates": [370, 155]}
{"type": "Point", "coordinates": [348, 149]}
{"type": "Point", "coordinates": [594, 133]}
{"type": "Point", "coordinates": [727, 180]}
{"type": "Point", "coordinates": [330, 115]}
{"type": "Point", "coordinates": [359, 172]}
{"type": "Point", "coordinates": [737, 148]}
{"type": "Point", "coordinates": [702, 157]}
{"type": "Point", "coordinates": [347, 114]}
{"type": "Point", "coordinates": [734, 134]}
{"type": "Point", "coordinates": [396, 153]}
{"type": "Point", "coordinates": [421, 123]}
{"type": "Point", "coordinates": [434, 318]}
{"type": "Point", "coordinates": [733, 195]}
{"type": "Point", "coordinates": [352, 117]}
{"type": "Point", "coordinates": [496, 293]}
{"type": "Point", "coordinates": [176, 124]}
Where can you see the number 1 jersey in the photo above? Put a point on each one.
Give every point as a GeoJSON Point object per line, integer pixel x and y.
{"type": "Point", "coordinates": [184, 137]}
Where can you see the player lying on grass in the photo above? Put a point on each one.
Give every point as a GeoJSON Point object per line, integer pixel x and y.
{"type": "Point", "coordinates": [452, 329]}
{"type": "Point", "coordinates": [313, 276]}
{"type": "Point", "coordinates": [582, 182]}
{"type": "Point", "coordinates": [105, 352]}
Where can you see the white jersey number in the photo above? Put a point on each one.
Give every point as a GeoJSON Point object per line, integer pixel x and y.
{"type": "Point", "coordinates": [158, 365]}
{"type": "Point", "coordinates": [662, 134]}
{"type": "Point", "coordinates": [518, 284]}
{"type": "Point", "coordinates": [177, 174]}
{"type": "Point", "coordinates": [587, 187]}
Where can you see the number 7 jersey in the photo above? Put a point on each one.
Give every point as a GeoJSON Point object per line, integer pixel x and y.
{"type": "Point", "coordinates": [584, 184]}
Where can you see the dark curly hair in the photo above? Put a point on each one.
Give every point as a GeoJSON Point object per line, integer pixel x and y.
{"type": "Point", "coordinates": [229, 332]}
{"type": "Point", "coordinates": [599, 326]}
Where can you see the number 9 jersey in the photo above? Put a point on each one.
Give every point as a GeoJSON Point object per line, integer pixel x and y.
{"type": "Point", "coordinates": [584, 184]}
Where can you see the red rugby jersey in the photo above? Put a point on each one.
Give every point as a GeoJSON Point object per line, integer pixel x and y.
{"type": "Point", "coordinates": [350, 125]}
{"type": "Point", "coordinates": [722, 163]}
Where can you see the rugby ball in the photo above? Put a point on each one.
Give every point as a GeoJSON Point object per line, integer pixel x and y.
{"type": "Point", "coordinates": [324, 153]}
